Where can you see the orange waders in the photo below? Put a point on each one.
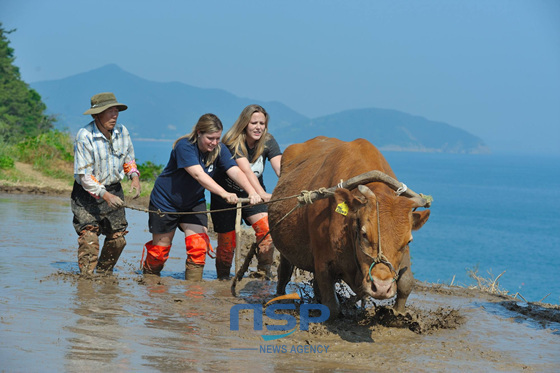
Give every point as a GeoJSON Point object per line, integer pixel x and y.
{"type": "Point", "coordinates": [265, 254]}
{"type": "Point", "coordinates": [155, 258]}
{"type": "Point", "coordinates": [198, 245]}
{"type": "Point", "coordinates": [224, 254]}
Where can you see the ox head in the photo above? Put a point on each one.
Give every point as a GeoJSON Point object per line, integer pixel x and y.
{"type": "Point", "coordinates": [381, 226]}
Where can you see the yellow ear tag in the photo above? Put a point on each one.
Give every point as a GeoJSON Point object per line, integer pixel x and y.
{"type": "Point", "coordinates": [342, 208]}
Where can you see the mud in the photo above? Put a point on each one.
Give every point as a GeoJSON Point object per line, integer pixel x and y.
{"type": "Point", "coordinates": [53, 319]}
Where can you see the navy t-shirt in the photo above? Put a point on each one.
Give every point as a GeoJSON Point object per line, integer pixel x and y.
{"type": "Point", "coordinates": [175, 189]}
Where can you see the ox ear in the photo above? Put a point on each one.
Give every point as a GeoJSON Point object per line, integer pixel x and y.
{"type": "Point", "coordinates": [419, 218]}
{"type": "Point", "coordinates": [342, 195]}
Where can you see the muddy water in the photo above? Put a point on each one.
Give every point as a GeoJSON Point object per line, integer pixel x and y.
{"type": "Point", "coordinates": [51, 319]}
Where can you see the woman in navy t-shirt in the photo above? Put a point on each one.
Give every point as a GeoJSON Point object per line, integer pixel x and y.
{"type": "Point", "coordinates": [195, 160]}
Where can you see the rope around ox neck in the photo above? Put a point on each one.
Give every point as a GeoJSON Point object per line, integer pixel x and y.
{"type": "Point", "coordinates": [381, 258]}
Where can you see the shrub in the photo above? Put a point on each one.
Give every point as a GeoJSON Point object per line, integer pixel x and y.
{"type": "Point", "coordinates": [51, 153]}
{"type": "Point", "coordinates": [149, 171]}
{"type": "Point", "coordinates": [6, 162]}
{"type": "Point", "coordinates": [51, 145]}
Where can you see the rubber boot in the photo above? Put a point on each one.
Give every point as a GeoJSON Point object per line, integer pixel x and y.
{"type": "Point", "coordinates": [265, 253]}
{"type": "Point", "coordinates": [197, 246]}
{"type": "Point", "coordinates": [111, 251]}
{"type": "Point", "coordinates": [156, 256]}
{"type": "Point", "coordinates": [88, 250]}
{"type": "Point", "coordinates": [193, 272]}
{"type": "Point", "coordinates": [224, 254]}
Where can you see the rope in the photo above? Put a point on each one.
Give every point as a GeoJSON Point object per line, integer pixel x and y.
{"type": "Point", "coordinates": [242, 269]}
{"type": "Point", "coordinates": [162, 213]}
{"type": "Point", "coordinates": [306, 197]}
{"type": "Point", "coordinates": [381, 258]}
{"type": "Point", "coordinates": [237, 235]}
{"type": "Point", "coordinates": [401, 190]}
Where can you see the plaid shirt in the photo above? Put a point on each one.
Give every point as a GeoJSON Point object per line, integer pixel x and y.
{"type": "Point", "coordinates": [99, 157]}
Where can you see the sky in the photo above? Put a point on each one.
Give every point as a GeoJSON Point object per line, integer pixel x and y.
{"type": "Point", "coordinates": [490, 67]}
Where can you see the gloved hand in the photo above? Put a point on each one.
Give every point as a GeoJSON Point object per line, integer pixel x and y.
{"type": "Point", "coordinates": [112, 200]}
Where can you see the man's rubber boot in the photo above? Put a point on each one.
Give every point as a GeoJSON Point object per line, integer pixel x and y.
{"type": "Point", "coordinates": [197, 246]}
{"type": "Point", "coordinates": [111, 252]}
{"type": "Point", "coordinates": [156, 256]}
{"type": "Point", "coordinates": [224, 254]}
{"type": "Point", "coordinates": [88, 250]}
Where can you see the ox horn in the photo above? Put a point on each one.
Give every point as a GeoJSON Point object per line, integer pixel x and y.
{"type": "Point", "coordinates": [366, 178]}
{"type": "Point", "coordinates": [366, 191]}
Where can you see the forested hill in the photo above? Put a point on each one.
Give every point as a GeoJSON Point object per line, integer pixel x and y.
{"type": "Point", "coordinates": [169, 110]}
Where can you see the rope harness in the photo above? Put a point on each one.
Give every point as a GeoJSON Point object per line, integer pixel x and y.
{"type": "Point", "coordinates": [381, 258]}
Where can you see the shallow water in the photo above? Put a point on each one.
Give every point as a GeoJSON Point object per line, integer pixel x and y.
{"type": "Point", "coordinates": [51, 319]}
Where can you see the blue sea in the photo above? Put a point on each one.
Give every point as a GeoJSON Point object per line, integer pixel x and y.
{"type": "Point", "coordinates": [492, 213]}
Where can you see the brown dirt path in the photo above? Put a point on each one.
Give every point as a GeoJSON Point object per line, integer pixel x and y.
{"type": "Point", "coordinates": [34, 182]}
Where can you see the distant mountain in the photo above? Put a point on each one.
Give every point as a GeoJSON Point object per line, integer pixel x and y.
{"type": "Point", "coordinates": [388, 130]}
{"type": "Point", "coordinates": [165, 111]}
{"type": "Point", "coordinates": [155, 110]}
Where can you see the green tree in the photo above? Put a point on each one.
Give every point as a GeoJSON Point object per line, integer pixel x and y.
{"type": "Point", "coordinates": [22, 113]}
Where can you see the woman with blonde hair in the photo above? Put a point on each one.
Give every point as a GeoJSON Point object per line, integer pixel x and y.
{"type": "Point", "coordinates": [196, 159]}
{"type": "Point", "coordinates": [251, 144]}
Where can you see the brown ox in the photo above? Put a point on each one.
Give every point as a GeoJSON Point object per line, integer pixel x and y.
{"type": "Point", "coordinates": [336, 246]}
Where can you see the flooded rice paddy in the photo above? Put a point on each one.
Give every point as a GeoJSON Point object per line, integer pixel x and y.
{"type": "Point", "coordinates": [52, 319]}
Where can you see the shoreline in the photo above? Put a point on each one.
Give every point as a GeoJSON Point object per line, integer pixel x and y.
{"type": "Point", "coordinates": [34, 189]}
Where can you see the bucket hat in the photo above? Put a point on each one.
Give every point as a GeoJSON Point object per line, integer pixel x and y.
{"type": "Point", "coordinates": [102, 101]}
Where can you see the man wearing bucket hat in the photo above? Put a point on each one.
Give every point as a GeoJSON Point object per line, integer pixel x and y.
{"type": "Point", "coordinates": [103, 155]}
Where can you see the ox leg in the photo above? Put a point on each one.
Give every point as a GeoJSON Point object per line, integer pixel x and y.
{"type": "Point", "coordinates": [325, 284]}
{"type": "Point", "coordinates": [285, 269]}
{"type": "Point", "coordinates": [316, 291]}
{"type": "Point", "coordinates": [405, 283]}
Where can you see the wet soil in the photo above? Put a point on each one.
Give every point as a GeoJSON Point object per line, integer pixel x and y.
{"type": "Point", "coordinates": [442, 329]}
{"type": "Point", "coordinates": [53, 319]}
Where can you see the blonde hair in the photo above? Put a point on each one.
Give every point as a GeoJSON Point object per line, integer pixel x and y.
{"type": "Point", "coordinates": [208, 123]}
{"type": "Point", "coordinates": [235, 137]}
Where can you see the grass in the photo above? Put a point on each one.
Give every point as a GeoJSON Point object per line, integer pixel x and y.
{"type": "Point", "coordinates": [489, 285]}
{"type": "Point", "coordinates": [146, 187]}
{"type": "Point", "coordinates": [50, 153]}
{"type": "Point", "coordinates": [13, 176]}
